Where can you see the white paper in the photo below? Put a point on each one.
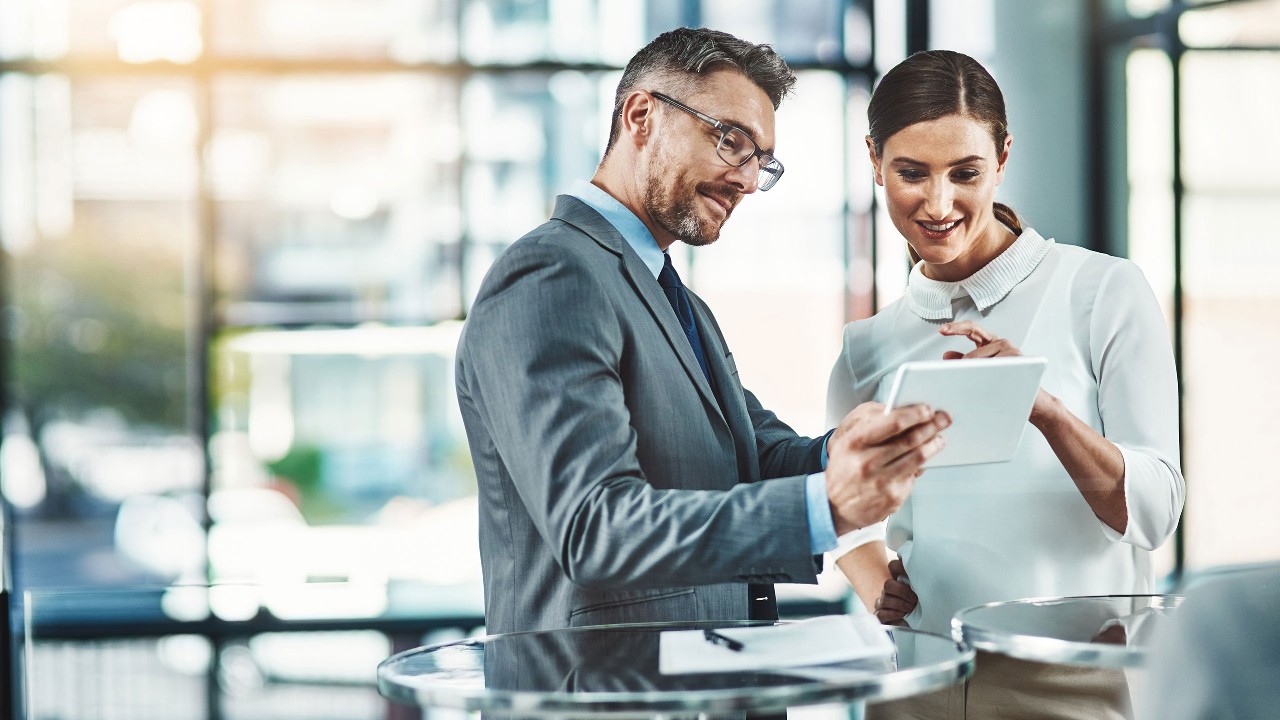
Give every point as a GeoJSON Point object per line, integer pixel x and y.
{"type": "Point", "coordinates": [817, 641]}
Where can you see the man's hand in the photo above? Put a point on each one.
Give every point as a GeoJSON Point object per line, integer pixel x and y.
{"type": "Point", "coordinates": [874, 458]}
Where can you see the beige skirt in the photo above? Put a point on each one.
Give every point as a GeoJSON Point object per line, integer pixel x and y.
{"type": "Point", "coordinates": [1006, 688]}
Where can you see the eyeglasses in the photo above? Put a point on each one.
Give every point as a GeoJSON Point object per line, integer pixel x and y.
{"type": "Point", "coordinates": [735, 147]}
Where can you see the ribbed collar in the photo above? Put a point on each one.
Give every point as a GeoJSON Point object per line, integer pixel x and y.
{"type": "Point", "coordinates": [931, 299]}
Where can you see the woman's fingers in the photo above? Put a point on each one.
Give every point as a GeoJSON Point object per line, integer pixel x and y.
{"type": "Point", "coordinates": [968, 329]}
{"type": "Point", "coordinates": [995, 348]}
{"type": "Point", "coordinates": [890, 618]}
{"type": "Point", "coordinates": [897, 599]}
{"type": "Point", "coordinates": [901, 592]}
{"type": "Point", "coordinates": [988, 345]}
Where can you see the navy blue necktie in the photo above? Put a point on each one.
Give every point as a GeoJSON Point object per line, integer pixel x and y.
{"type": "Point", "coordinates": [679, 299]}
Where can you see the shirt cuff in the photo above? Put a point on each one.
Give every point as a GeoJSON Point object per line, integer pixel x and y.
{"type": "Point", "coordinates": [825, 438]}
{"type": "Point", "coordinates": [822, 531]}
{"type": "Point", "coordinates": [853, 539]}
{"type": "Point", "coordinates": [1153, 496]}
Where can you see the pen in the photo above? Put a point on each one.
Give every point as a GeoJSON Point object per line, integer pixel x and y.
{"type": "Point", "coordinates": [714, 637]}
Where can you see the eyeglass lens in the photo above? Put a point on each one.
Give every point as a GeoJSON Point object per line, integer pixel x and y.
{"type": "Point", "coordinates": [736, 149]}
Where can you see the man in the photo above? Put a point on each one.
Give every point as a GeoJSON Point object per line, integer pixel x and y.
{"type": "Point", "coordinates": [618, 457]}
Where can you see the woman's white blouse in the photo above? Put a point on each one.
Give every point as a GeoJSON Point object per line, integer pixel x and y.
{"type": "Point", "coordinates": [982, 533]}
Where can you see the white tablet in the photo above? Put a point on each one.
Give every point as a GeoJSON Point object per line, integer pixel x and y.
{"type": "Point", "coordinates": [988, 399]}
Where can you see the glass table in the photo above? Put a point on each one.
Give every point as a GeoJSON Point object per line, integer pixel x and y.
{"type": "Point", "coordinates": [613, 670]}
{"type": "Point", "coordinates": [1105, 631]}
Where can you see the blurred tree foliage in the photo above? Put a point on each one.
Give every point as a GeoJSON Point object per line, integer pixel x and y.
{"type": "Point", "coordinates": [97, 319]}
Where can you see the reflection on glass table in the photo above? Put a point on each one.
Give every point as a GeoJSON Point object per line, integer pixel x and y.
{"type": "Point", "coordinates": [1105, 631]}
{"type": "Point", "coordinates": [614, 670]}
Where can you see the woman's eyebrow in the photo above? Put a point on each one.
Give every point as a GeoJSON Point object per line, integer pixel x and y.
{"type": "Point", "coordinates": [903, 160]}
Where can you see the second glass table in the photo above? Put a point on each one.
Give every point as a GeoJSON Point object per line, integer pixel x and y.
{"type": "Point", "coordinates": [1101, 631]}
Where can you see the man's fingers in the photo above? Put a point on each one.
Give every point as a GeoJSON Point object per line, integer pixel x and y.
{"type": "Point", "coordinates": [926, 431]}
{"type": "Point", "coordinates": [904, 456]}
{"type": "Point", "coordinates": [897, 462]}
{"type": "Point", "coordinates": [874, 428]}
{"type": "Point", "coordinates": [873, 466]}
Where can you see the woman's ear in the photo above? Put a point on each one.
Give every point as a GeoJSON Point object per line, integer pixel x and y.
{"type": "Point", "coordinates": [876, 170]}
{"type": "Point", "coordinates": [1004, 158]}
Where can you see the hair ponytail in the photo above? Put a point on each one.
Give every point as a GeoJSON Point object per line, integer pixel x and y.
{"type": "Point", "coordinates": [1008, 218]}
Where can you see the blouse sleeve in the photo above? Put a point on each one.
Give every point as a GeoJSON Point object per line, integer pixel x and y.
{"type": "Point", "coordinates": [1138, 402]}
{"type": "Point", "coordinates": [843, 392]}
{"type": "Point", "coordinates": [843, 395]}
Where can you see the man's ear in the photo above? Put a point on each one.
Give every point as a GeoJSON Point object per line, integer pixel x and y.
{"type": "Point", "coordinates": [876, 169]}
{"type": "Point", "coordinates": [638, 117]}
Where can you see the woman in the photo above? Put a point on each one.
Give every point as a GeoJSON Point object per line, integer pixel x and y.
{"type": "Point", "coordinates": [1096, 484]}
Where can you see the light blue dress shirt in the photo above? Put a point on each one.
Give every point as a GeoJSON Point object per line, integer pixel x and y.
{"type": "Point", "coordinates": [822, 532]}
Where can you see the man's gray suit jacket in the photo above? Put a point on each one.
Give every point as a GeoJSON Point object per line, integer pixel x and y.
{"type": "Point", "coordinates": [590, 422]}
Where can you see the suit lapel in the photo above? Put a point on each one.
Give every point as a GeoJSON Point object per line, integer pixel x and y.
{"type": "Point", "coordinates": [732, 403]}
{"type": "Point", "coordinates": [580, 215]}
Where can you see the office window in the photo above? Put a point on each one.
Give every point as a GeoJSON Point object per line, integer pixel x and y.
{"type": "Point", "coordinates": [1230, 301]}
{"type": "Point", "coordinates": [1197, 135]}
{"type": "Point", "coordinates": [241, 237]}
{"type": "Point", "coordinates": [100, 219]}
{"type": "Point", "coordinates": [336, 198]}
{"type": "Point", "coordinates": [405, 31]}
{"type": "Point", "coordinates": [1240, 24]}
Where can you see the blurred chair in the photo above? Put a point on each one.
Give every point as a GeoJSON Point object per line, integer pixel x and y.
{"type": "Point", "coordinates": [1219, 656]}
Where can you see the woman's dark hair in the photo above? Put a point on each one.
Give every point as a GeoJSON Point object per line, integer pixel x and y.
{"type": "Point", "coordinates": [933, 84]}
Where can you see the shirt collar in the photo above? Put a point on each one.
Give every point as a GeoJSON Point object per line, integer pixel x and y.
{"type": "Point", "coordinates": [623, 220]}
{"type": "Point", "coordinates": [931, 299]}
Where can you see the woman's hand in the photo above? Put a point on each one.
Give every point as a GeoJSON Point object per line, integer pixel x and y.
{"type": "Point", "coordinates": [897, 600]}
{"type": "Point", "coordinates": [989, 346]}
{"type": "Point", "coordinates": [1093, 462]}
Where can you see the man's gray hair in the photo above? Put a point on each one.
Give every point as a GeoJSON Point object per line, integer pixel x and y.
{"type": "Point", "coordinates": [677, 59]}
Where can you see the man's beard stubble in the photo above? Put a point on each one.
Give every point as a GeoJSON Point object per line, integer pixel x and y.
{"type": "Point", "coordinates": [680, 217]}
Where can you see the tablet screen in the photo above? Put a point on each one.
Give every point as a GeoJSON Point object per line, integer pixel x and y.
{"type": "Point", "coordinates": [989, 400]}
